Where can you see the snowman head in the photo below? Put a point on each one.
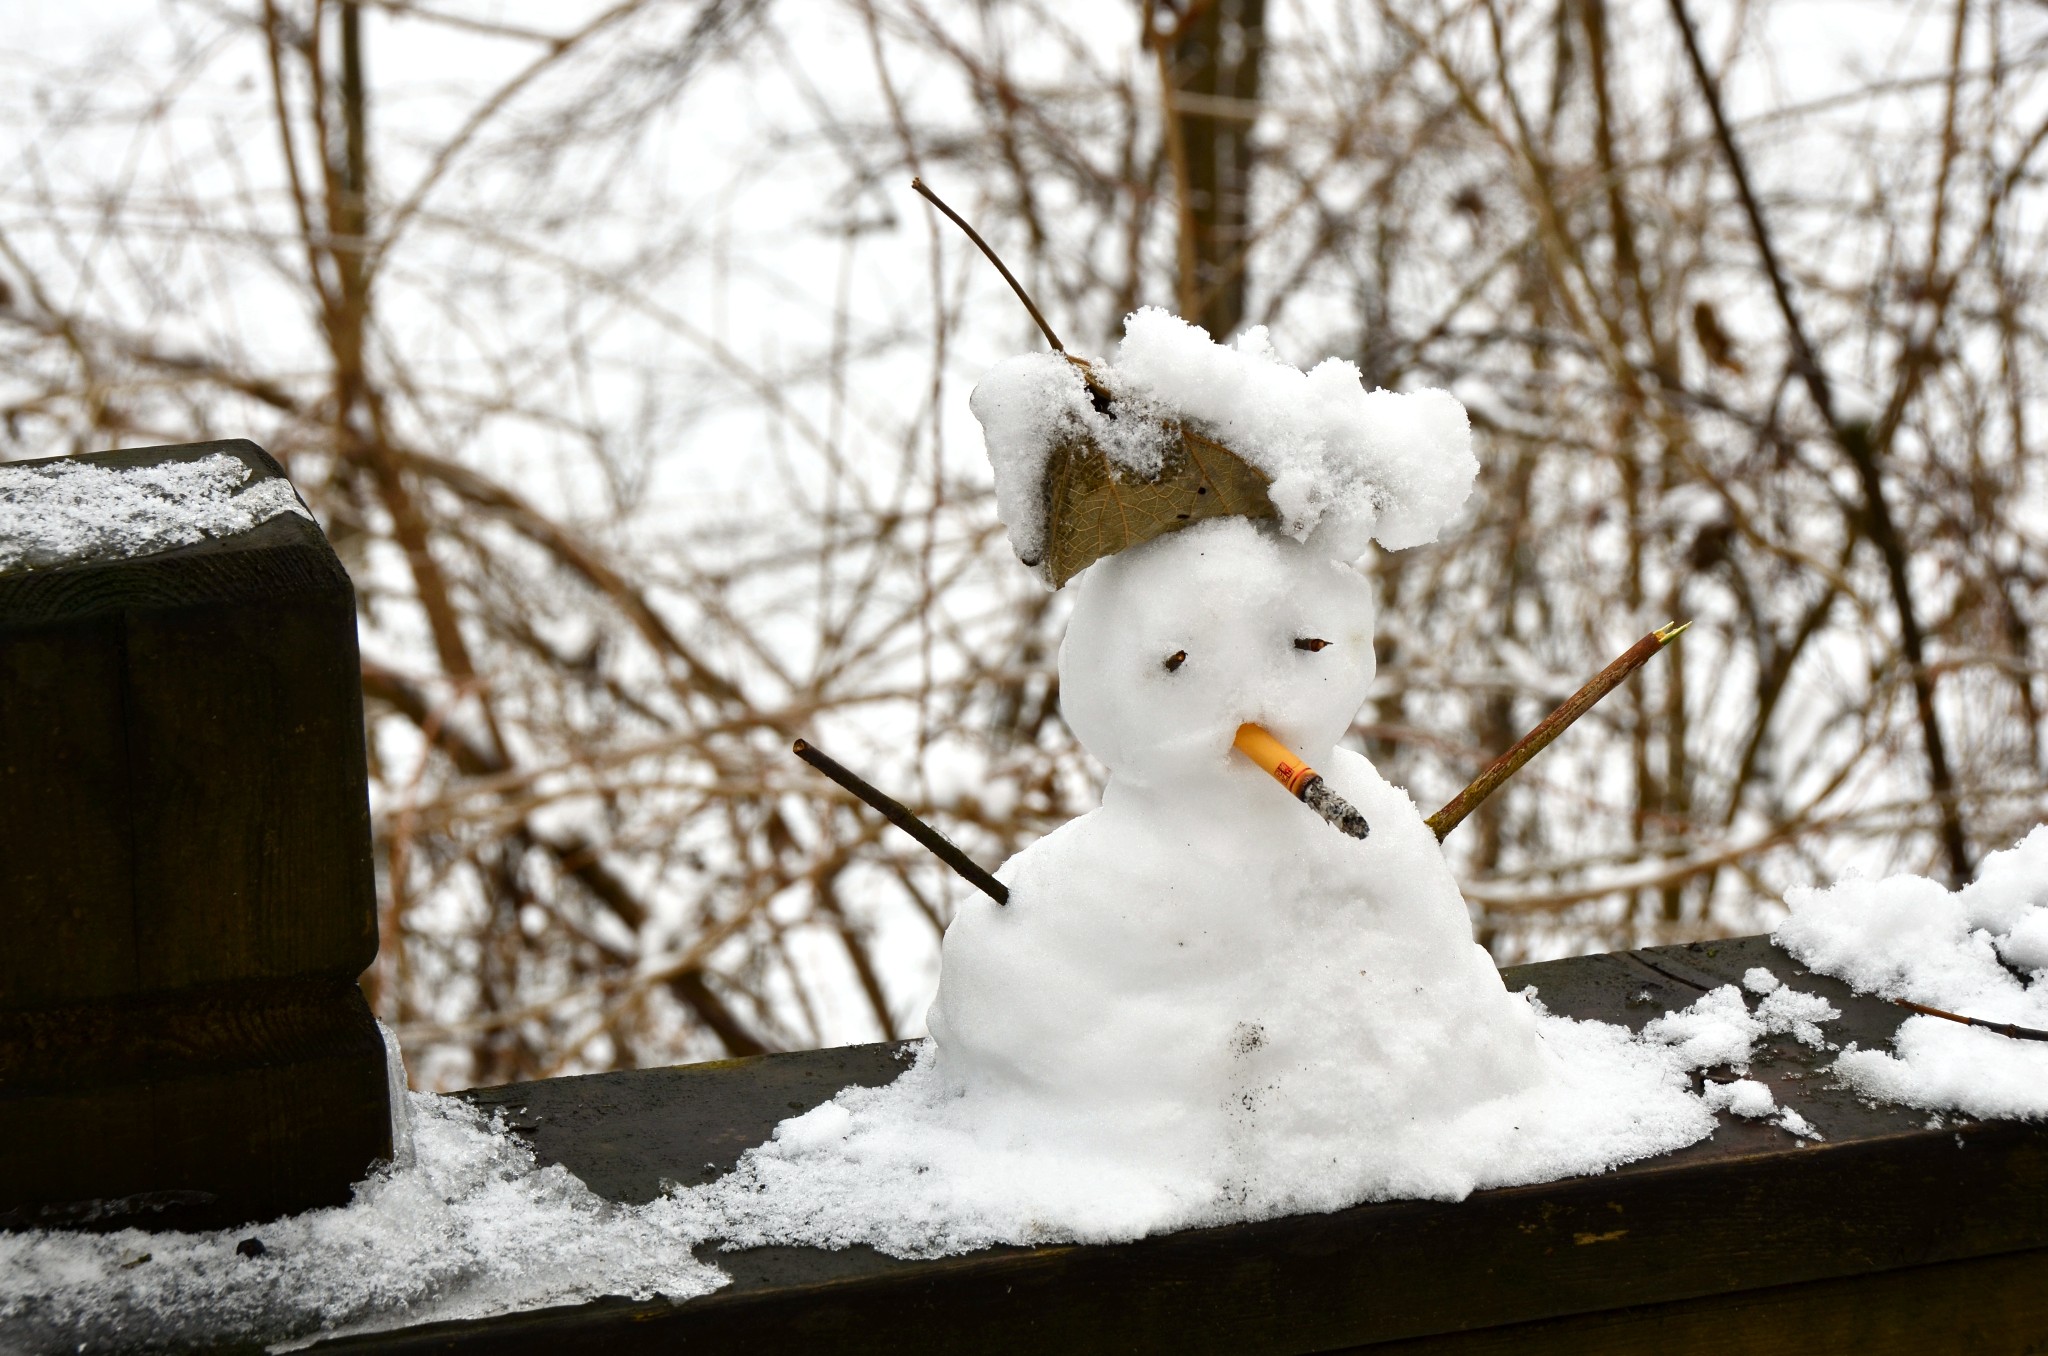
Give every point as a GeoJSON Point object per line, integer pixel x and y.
{"type": "Point", "coordinates": [1176, 643]}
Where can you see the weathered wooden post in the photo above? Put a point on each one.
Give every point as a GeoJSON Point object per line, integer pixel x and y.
{"type": "Point", "coordinates": [186, 887]}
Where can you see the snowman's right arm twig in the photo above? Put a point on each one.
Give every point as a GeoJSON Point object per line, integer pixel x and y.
{"type": "Point", "coordinates": [1551, 726]}
{"type": "Point", "coordinates": [899, 814]}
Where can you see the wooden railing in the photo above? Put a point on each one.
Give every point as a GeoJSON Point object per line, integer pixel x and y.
{"type": "Point", "coordinates": [1887, 1236]}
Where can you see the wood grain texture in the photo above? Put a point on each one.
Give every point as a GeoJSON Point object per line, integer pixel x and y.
{"type": "Point", "coordinates": [1993, 1306]}
{"type": "Point", "coordinates": [1749, 1211]}
{"type": "Point", "coordinates": [67, 861]}
{"type": "Point", "coordinates": [182, 773]}
{"type": "Point", "coordinates": [230, 1112]}
{"type": "Point", "coordinates": [186, 880]}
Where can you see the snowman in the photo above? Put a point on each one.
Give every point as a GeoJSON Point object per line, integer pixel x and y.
{"type": "Point", "coordinates": [1210, 999]}
{"type": "Point", "coordinates": [1205, 960]}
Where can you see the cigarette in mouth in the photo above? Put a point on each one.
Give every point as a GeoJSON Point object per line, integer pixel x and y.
{"type": "Point", "coordinates": [1303, 782]}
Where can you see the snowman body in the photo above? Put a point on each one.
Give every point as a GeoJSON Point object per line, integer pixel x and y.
{"type": "Point", "coordinates": [1203, 961]}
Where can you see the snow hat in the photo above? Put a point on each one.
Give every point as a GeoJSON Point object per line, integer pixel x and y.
{"type": "Point", "coordinates": [1092, 458]}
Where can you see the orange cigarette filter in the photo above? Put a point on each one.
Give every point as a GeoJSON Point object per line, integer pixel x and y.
{"type": "Point", "coordinates": [1301, 780]}
{"type": "Point", "coordinates": [1280, 762]}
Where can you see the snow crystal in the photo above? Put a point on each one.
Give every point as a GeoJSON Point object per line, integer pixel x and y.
{"type": "Point", "coordinates": [1716, 1030]}
{"type": "Point", "coordinates": [1720, 1028]}
{"type": "Point", "coordinates": [1751, 1100]}
{"type": "Point", "coordinates": [1978, 951]}
{"type": "Point", "coordinates": [1940, 1064]}
{"type": "Point", "coordinates": [1786, 1011]}
{"type": "Point", "coordinates": [471, 1227]}
{"type": "Point", "coordinates": [59, 513]}
{"type": "Point", "coordinates": [1347, 466]}
{"type": "Point", "coordinates": [1744, 1097]}
{"type": "Point", "coordinates": [1758, 980]}
{"type": "Point", "coordinates": [396, 1085]}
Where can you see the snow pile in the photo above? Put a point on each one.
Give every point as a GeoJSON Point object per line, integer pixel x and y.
{"type": "Point", "coordinates": [1348, 466]}
{"type": "Point", "coordinates": [934, 1164]}
{"type": "Point", "coordinates": [1981, 951]}
{"type": "Point", "coordinates": [62, 512]}
{"type": "Point", "coordinates": [469, 1227]}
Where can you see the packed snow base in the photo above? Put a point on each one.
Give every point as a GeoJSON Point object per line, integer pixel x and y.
{"type": "Point", "coordinates": [1347, 466]}
{"type": "Point", "coordinates": [63, 512]}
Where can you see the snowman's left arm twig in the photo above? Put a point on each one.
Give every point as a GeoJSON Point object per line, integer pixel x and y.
{"type": "Point", "coordinates": [899, 814]}
{"type": "Point", "coordinates": [1551, 726]}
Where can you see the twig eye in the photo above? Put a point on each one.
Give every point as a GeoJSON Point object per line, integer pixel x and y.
{"type": "Point", "coordinates": [1175, 660]}
{"type": "Point", "coordinates": [1311, 644]}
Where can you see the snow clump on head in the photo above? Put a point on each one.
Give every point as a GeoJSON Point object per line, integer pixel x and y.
{"type": "Point", "coordinates": [1346, 466]}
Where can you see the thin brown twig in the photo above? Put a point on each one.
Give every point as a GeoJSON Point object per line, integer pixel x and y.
{"type": "Point", "coordinates": [2024, 1033]}
{"type": "Point", "coordinates": [900, 815]}
{"type": "Point", "coordinates": [1858, 446]}
{"type": "Point", "coordinates": [1550, 727]}
{"type": "Point", "coordinates": [935, 200]}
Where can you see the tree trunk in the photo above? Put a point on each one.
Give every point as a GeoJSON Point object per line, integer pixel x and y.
{"type": "Point", "coordinates": [1215, 54]}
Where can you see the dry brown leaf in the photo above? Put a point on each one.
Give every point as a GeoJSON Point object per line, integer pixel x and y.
{"type": "Point", "coordinates": [1096, 508]}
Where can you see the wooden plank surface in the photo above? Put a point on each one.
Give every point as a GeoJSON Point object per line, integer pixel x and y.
{"type": "Point", "coordinates": [1751, 1209]}
{"type": "Point", "coordinates": [199, 1110]}
{"type": "Point", "coordinates": [1987, 1306]}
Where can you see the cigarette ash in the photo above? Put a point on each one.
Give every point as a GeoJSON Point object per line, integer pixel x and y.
{"type": "Point", "coordinates": [60, 513]}
{"type": "Point", "coordinates": [1338, 813]}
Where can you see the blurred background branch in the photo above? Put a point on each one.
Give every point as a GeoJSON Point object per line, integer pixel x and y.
{"type": "Point", "coordinates": [612, 351]}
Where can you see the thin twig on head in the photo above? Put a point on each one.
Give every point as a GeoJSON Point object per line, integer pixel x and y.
{"type": "Point", "coordinates": [1002, 268]}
